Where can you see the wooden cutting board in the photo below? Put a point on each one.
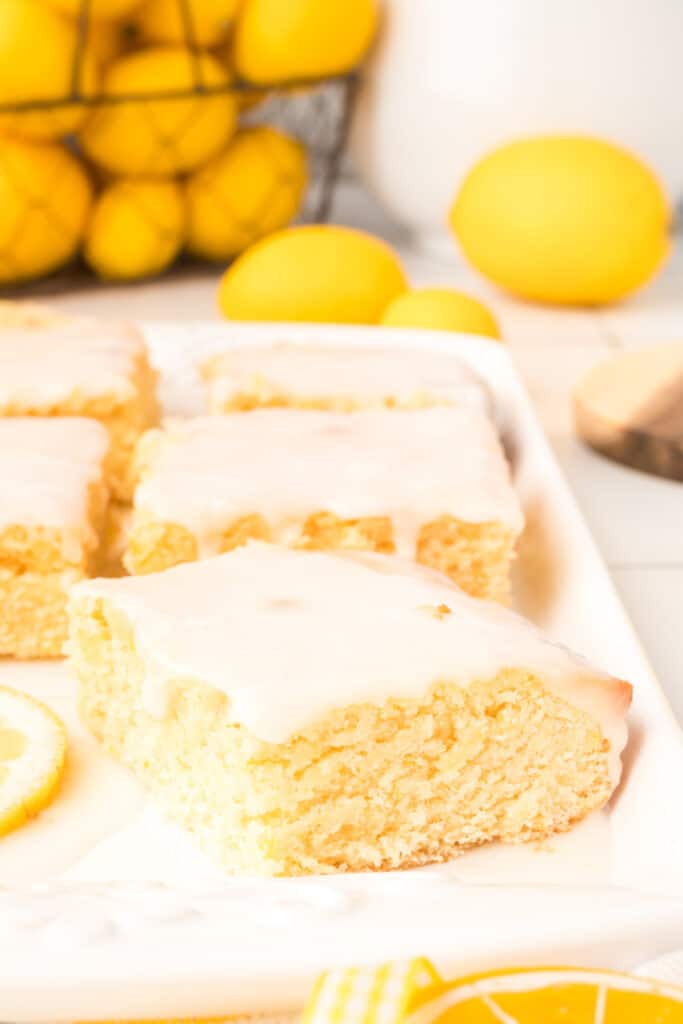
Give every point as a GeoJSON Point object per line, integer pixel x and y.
{"type": "Point", "coordinates": [631, 409]}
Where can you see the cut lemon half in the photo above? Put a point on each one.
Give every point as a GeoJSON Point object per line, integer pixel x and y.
{"type": "Point", "coordinates": [32, 757]}
{"type": "Point", "coordinates": [548, 996]}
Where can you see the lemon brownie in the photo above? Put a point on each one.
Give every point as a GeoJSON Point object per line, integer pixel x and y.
{"type": "Point", "coordinates": [430, 484]}
{"type": "Point", "coordinates": [343, 379]}
{"type": "Point", "coordinates": [313, 712]}
{"type": "Point", "coordinates": [66, 366]}
{"type": "Point", "coordinates": [53, 502]}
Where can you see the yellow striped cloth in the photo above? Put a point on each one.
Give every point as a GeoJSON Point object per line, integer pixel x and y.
{"type": "Point", "coordinates": [367, 995]}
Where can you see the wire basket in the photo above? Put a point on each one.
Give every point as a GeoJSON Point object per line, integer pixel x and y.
{"type": "Point", "coordinates": [314, 112]}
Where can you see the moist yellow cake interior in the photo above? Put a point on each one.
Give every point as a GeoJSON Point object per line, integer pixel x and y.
{"type": "Point", "coordinates": [392, 782]}
{"type": "Point", "coordinates": [370, 787]}
{"type": "Point", "coordinates": [39, 563]}
{"type": "Point", "coordinates": [405, 467]}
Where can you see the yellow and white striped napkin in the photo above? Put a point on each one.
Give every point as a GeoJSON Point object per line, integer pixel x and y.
{"type": "Point", "coordinates": [367, 995]}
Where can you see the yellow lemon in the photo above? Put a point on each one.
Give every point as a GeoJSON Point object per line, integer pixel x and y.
{"type": "Point", "coordinates": [38, 63]}
{"type": "Point", "coordinates": [546, 995]}
{"type": "Point", "coordinates": [32, 758]}
{"type": "Point", "coordinates": [563, 219]}
{"type": "Point", "coordinates": [209, 21]}
{"type": "Point", "coordinates": [136, 228]}
{"type": "Point", "coordinates": [248, 96]}
{"type": "Point", "coordinates": [318, 273]}
{"type": "Point", "coordinates": [107, 40]}
{"type": "Point", "coordinates": [159, 137]}
{"type": "Point", "coordinates": [441, 309]}
{"type": "Point", "coordinates": [45, 196]}
{"type": "Point", "coordinates": [110, 9]}
{"type": "Point", "coordinates": [252, 189]}
{"type": "Point", "coordinates": [285, 40]}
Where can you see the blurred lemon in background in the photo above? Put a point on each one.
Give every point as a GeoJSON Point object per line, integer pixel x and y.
{"type": "Point", "coordinates": [282, 40]}
{"type": "Point", "coordinates": [247, 97]}
{"type": "Point", "coordinates": [318, 273]}
{"type": "Point", "coordinates": [37, 52]}
{"type": "Point", "coordinates": [136, 229]}
{"type": "Point", "coordinates": [45, 197]}
{"type": "Point", "coordinates": [107, 40]}
{"type": "Point", "coordinates": [162, 21]}
{"type": "Point", "coordinates": [160, 137]}
{"type": "Point", "coordinates": [96, 8]}
{"type": "Point", "coordinates": [563, 219]}
{"type": "Point", "coordinates": [441, 309]}
{"type": "Point", "coordinates": [252, 189]}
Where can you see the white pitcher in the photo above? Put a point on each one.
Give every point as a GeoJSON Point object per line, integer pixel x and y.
{"type": "Point", "coordinates": [452, 79]}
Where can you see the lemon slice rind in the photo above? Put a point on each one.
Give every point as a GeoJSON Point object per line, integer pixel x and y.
{"type": "Point", "coordinates": [29, 780]}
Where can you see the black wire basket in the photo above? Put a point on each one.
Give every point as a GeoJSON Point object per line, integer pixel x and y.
{"type": "Point", "coordinates": [314, 112]}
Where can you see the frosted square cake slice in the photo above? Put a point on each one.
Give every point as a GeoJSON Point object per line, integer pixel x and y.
{"type": "Point", "coordinates": [61, 366]}
{"type": "Point", "coordinates": [430, 484]}
{"type": "Point", "coordinates": [314, 712]}
{"type": "Point", "coordinates": [53, 503]}
{"type": "Point", "coordinates": [343, 379]}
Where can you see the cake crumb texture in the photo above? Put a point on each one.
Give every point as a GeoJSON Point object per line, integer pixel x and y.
{"type": "Point", "coordinates": [367, 787]}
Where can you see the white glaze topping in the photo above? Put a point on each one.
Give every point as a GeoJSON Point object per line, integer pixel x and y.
{"type": "Point", "coordinates": [46, 466]}
{"type": "Point", "coordinates": [289, 635]}
{"type": "Point", "coordinates": [368, 375]}
{"type": "Point", "coordinates": [41, 367]}
{"type": "Point", "coordinates": [413, 466]}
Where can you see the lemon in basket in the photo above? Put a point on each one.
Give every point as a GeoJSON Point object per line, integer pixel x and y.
{"type": "Point", "coordinates": [545, 996]}
{"type": "Point", "coordinates": [96, 8]}
{"type": "Point", "coordinates": [45, 198]}
{"type": "Point", "coordinates": [440, 309]}
{"type": "Point", "coordinates": [209, 21]}
{"type": "Point", "coordinates": [284, 40]}
{"type": "Point", "coordinates": [37, 53]}
{"type": "Point", "coordinates": [161, 136]}
{"type": "Point", "coordinates": [108, 40]}
{"type": "Point", "coordinates": [136, 229]}
{"type": "Point", "coordinates": [32, 758]}
{"type": "Point", "coordinates": [252, 189]}
{"type": "Point", "coordinates": [317, 273]}
{"type": "Point", "coordinates": [563, 219]}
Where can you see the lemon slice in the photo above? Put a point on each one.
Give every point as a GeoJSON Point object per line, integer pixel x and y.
{"type": "Point", "coordinates": [546, 996]}
{"type": "Point", "coordinates": [32, 757]}
{"type": "Point", "coordinates": [368, 995]}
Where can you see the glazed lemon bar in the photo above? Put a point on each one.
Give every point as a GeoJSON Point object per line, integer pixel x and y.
{"type": "Point", "coordinates": [53, 502]}
{"type": "Point", "coordinates": [312, 712]}
{"type": "Point", "coordinates": [430, 484]}
{"type": "Point", "coordinates": [338, 378]}
{"type": "Point", "coordinates": [51, 365]}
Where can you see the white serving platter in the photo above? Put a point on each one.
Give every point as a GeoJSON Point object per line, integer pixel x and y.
{"type": "Point", "coordinates": [108, 912]}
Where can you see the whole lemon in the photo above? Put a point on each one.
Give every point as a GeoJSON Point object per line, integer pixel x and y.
{"type": "Point", "coordinates": [318, 273]}
{"type": "Point", "coordinates": [252, 189]}
{"type": "Point", "coordinates": [45, 197]}
{"type": "Point", "coordinates": [96, 8]}
{"type": "Point", "coordinates": [159, 137]}
{"type": "Point", "coordinates": [441, 309]}
{"type": "Point", "coordinates": [283, 40]}
{"type": "Point", "coordinates": [563, 219]}
{"type": "Point", "coordinates": [163, 21]}
{"type": "Point", "coordinates": [37, 55]}
{"type": "Point", "coordinates": [136, 228]}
